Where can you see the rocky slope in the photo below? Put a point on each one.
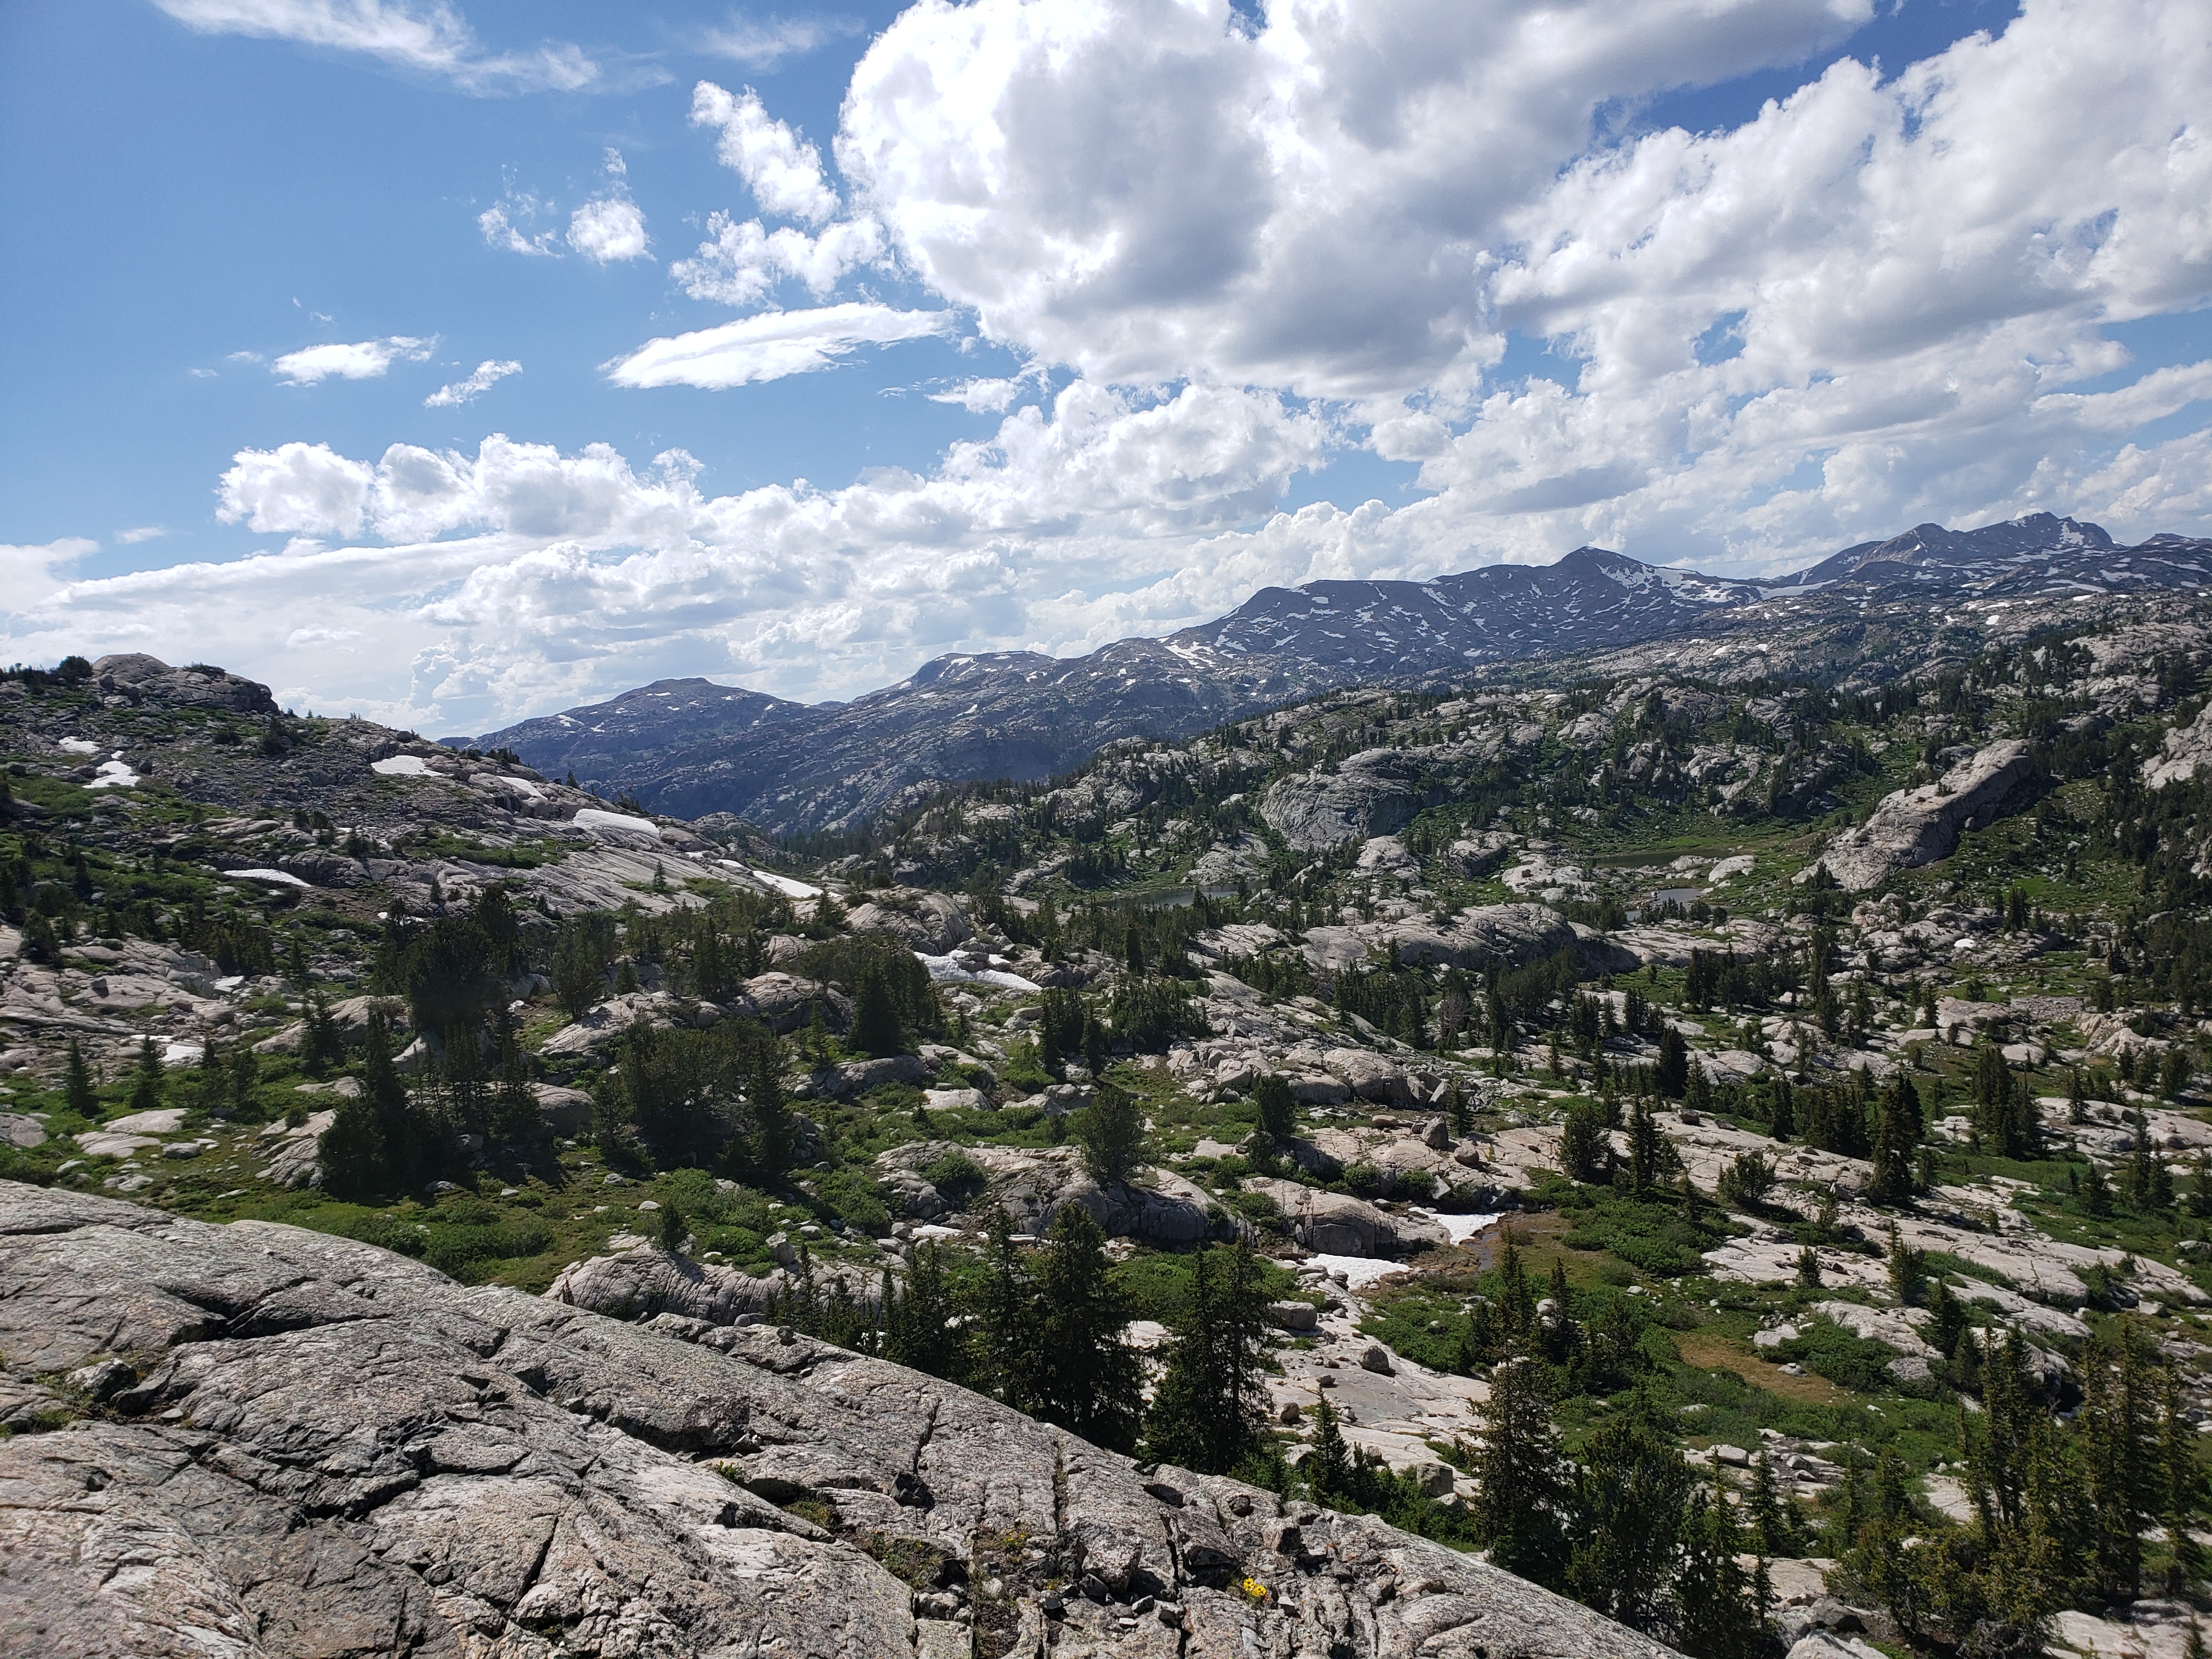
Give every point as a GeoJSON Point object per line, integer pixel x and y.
{"type": "Point", "coordinates": [254, 1440]}
{"type": "Point", "coordinates": [692, 748]}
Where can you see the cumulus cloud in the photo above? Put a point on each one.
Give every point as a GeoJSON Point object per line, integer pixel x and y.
{"type": "Point", "coordinates": [144, 533]}
{"type": "Point", "coordinates": [610, 227]}
{"type": "Point", "coordinates": [1862, 308]}
{"type": "Point", "coordinates": [772, 345]}
{"type": "Point", "coordinates": [1883, 299]}
{"type": "Point", "coordinates": [743, 261]}
{"type": "Point", "coordinates": [429, 39]}
{"type": "Point", "coordinates": [488, 374]}
{"type": "Point", "coordinates": [765, 43]}
{"type": "Point", "coordinates": [363, 360]}
{"type": "Point", "coordinates": [783, 170]}
{"type": "Point", "coordinates": [309, 489]}
{"type": "Point", "coordinates": [528, 574]}
{"type": "Point", "coordinates": [35, 573]}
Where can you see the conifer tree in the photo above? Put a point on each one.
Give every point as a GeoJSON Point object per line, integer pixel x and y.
{"type": "Point", "coordinates": [1720, 1609]}
{"type": "Point", "coordinates": [1085, 1376]}
{"type": "Point", "coordinates": [876, 1029]}
{"type": "Point", "coordinates": [1897, 1136]}
{"type": "Point", "coordinates": [1631, 1497]}
{"type": "Point", "coordinates": [1328, 1468]}
{"type": "Point", "coordinates": [146, 1081]}
{"type": "Point", "coordinates": [1111, 1133]}
{"type": "Point", "coordinates": [1002, 1335]}
{"type": "Point", "coordinates": [918, 1325]}
{"type": "Point", "coordinates": [1206, 1412]}
{"type": "Point", "coordinates": [1523, 1479]}
{"type": "Point", "coordinates": [78, 1094]}
{"type": "Point", "coordinates": [774, 1138]}
{"type": "Point", "coordinates": [1277, 1107]}
{"type": "Point", "coordinates": [1647, 1149]}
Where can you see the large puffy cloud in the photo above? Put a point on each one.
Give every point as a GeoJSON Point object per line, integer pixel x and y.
{"type": "Point", "coordinates": [1878, 301]}
{"type": "Point", "coordinates": [1862, 306]}
{"type": "Point", "coordinates": [296, 489]}
{"type": "Point", "coordinates": [518, 575]}
{"type": "Point", "coordinates": [1145, 190]}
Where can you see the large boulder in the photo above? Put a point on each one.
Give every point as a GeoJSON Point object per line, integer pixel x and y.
{"type": "Point", "coordinates": [1336, 1224]}
{"type": "Point", "coordinates": [1370, 793]}
{"type": "Point", "coordinates": [1914, 827]}
{"type": "Point", "coordinates": [140, 677]}
{"type": "Point", "coordinates": [641, 1282]}
{"type": "Point", "coordinates": [305, 1444]}
{"type": "Point", "coordinates": [784, 1003]}
{"type": "Point", "coordinates": [1034, 1185]}
{"type": "Point", "coordinates": [932, 923]}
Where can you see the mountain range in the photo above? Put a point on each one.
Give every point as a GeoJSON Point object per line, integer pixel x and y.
{"type": "Point", "coordinates": [693, 747]}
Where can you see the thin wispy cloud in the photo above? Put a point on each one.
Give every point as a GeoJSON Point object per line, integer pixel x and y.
{"type": "Point", "coordinates": [363, 359]}
{"type": "Point", "coordinates": [772, 345]}
{"type": "Point", "coordinates": [432, 39]}
{"type": "Point", "coordinates": [765, 43]}
{"type": "Point", "coordinates": [488, 374]}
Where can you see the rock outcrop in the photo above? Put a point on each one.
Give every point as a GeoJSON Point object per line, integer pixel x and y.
{"type": "Point", "coordinates": [1914, 827]}
{"type": "Point", "coordinates": [1370, 793]}
{"type": "Point", "coordinates": [254, 1440]}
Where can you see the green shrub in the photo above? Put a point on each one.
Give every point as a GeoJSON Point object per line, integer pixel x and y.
{"type": "Point", "coordinates": [955, 1176]}
{"type": "Point", "coordinates": [852, 1198]}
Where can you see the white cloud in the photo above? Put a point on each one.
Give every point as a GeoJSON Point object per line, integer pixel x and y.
{"type": "Point", "coordinates": [306, 487]}
{"type": "Point", "coordinates": [430, 40]}
{"type": "Point", "coordinates": [610, 227]}
{"type": "Point", "coordinates": [772, 345]}
{"type": "Point", "coordinates": [34, 573]}
{"type": "Point", "coordinates": [363, 360]}
{"type": "Point", "coordinates": [487, 374]}
{"type": "Point", "coordinates": [505, 227]}
{"type": "Point", "coordinates": [203, 374]}
{"type": "Point", "coordinates": [1358, 205]}
{"type": "Point", "coordinates": [144, 533]}
{"type": "Point", "coordinates": [784, 172]}
{"type": "Point", "coordinates": [743, 263]}
{"type": "Point", "coordinates": [987, 397]}
{"type": "Point", "coordinates": [763, 44]}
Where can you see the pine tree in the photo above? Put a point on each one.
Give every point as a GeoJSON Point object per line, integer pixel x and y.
{"type": "Point", "coordinates": [146, 1082]}
{"type": "Point", "coordinates": [1111, 1133]}
{"type": "Point", "coordinates": [1519, 1511]}
{"type": "Point", "coordinates": [673, 1232]}
{"type": "Point", "coordinates": [1086, 1377]}
{"type": "Point", "coordinates": [1001, 1331]}
{"type": "Point", "coordinates": [1585, 1147]}
{"type": "Point", "coordinates": [1277, 1107]}
{"type": "Point", "coordinates": [774, 1138]}
{"type": "Point", "coordinates": [1206, 1412]}
{"type": "Point", "coordinates": [1647, 1149]}
{"type": "Point", "coordinates": [1897, 1136]}
{"type": "Point", "coordinates": [1328, 1468]}
{"type": "Point", "coordinates": [1631, 1498]}
{"type": "Point", "coordinates": [78, 1094]}
{"type": "Point", "coordinates": [1674, 1062]}
{"type": "Point", "coordinates": [918, 1326]}
{"type": "Point", "coordinates": [876, 1029]}
{"type": "Point", "coordinates": [1775, 1531]}
{"type": "Point", "coordinates": [1808, 1267]}
{"type": "Point", "coordinates": [1720, 1609]}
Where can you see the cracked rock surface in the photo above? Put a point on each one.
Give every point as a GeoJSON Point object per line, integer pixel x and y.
{"type": "Point", "coordinates": [251, 1439]}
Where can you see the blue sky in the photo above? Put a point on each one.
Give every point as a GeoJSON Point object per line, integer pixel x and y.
{"type": "Point", "coordinates": [1282, 293]}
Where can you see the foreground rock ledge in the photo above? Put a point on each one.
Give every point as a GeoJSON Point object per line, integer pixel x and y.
{"type": "Point", "coordinates": [251, 1439]}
